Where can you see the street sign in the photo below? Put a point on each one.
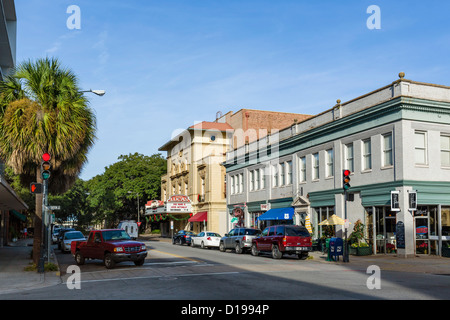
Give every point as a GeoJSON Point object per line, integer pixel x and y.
{"type": "Point", "coordinates": [54, 208]}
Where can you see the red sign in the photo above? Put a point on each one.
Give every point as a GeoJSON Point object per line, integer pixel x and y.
{"type": "Point", "coordinates": [179, 198]}
{"type": "Point", "coordinates": [422, 230]}
{"type": "Point", "coordinates": [139, 223]}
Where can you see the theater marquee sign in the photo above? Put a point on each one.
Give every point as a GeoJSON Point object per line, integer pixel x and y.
{"type": "Point", "coordinates": [179, 204]}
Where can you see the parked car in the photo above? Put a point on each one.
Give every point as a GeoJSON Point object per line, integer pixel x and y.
{"type": "Point", "coordinates": [111, 246]}
{"type": "Point", "coordinates": [69, 237]}
{"type": "Point", "coordinates": [239, 239]}
{"type": "Point", "coordinates": [55, 236]}
{"type": "Point", "coordinates": [281, 239]}
{"type": "Point", "coordinates": [61, 235]}
{"type": "Point", "coordinates": [206, 239]}
{"type": "Point", "coordinates": [183, 237]}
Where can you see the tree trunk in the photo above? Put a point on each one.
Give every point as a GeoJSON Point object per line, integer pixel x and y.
{"type": "Point", "coordinates": [38, 236]}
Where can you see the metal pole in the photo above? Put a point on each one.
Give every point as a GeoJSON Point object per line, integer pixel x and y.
{"type": "Point", "coordinates": [139, 220]}
{"type": "Point", "coordinates": [345, 258]}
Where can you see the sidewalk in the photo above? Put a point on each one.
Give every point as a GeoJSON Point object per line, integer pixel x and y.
{"type": "Point", "coordinates": [13, 278]}
{"type": "Point", "coordinates": [420, 263]}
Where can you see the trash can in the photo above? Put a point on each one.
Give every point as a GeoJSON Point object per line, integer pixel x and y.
{"type": "Point", "coordinates": [336, 248]}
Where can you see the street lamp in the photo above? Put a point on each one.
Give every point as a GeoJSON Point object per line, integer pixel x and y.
{"type": "Point", "coordinates": [97, 92]}
{"type": "Point", "coordinates": [138, 207]}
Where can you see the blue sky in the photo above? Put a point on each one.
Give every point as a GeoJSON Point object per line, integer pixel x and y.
{"type": "Point", "coordinates": [166, 64]}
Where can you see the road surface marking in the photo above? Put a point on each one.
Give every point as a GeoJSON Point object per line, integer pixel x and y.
{"type": "Point", "coordinates": [176, 255]}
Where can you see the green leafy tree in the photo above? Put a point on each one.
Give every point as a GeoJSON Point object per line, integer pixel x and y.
{"type": "Point", "coordinates": [43, 110]}
{"type": "Point", "coordinates": [114, 194]}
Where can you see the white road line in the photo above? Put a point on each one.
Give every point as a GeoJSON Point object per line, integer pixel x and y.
{"type": "Point", "coordinates": [159, 276]}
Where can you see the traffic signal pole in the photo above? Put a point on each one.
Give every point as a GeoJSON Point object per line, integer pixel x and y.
{"type": "Point", "coordinates": [45, 232]}
{"type": "Point", "coordinates": [345, 257]}
{"type": "Point", "coordinates": [345, 185]}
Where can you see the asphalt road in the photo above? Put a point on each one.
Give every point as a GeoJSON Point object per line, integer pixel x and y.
{"type": "Point", "coordinates": [173, 272]}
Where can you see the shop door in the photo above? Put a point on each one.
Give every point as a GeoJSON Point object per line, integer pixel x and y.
{"type": "Point", "coordinates": [422, 235]}
{"type": "Point", "coordinates": [385, 227]}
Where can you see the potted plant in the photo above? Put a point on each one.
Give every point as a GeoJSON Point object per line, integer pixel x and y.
{"type": "Point", "coordinates": [390, 248]}
{"type": "Point", "coordinates": [359, 246]}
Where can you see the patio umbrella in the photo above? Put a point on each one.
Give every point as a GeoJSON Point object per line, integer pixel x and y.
{"type": "Point", "coordinates": [308, 224]}
{"type": "Point", "coordinates": [333, 220]}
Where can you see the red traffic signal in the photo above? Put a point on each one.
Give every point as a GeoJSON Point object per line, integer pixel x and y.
{"type": "Point", "coordinates": [46, 157]}
{"type": "Point", "coordinates": [346, 179]}
{"type": "Point", "coordinates": [45, 166]}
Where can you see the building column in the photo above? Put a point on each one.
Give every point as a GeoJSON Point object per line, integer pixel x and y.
{"type": "Point", "coordinates": [406, 217]}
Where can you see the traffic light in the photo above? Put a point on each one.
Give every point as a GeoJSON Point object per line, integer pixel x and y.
{"type": "Point", "coordinates": [35, 188]}
{"type": "Point", "coordinates": [346, 179]}
{"type": "Point", "coordinates": [45, 166]}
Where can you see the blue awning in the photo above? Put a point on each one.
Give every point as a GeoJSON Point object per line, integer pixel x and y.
{"type": "Point", "coordinates": [278, 214]}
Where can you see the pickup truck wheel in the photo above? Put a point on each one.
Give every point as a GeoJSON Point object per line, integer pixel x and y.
{"type": "Point", "coordinates": [221, 247]}
{"type": "Point", "coordinates": [238, 248]}
{"type": "Point", "coordinates": [303, 256]}
{"type": "Point", "coordinates": [255, 251]}
{"type": "Point", "coordinates": [276, 253]}
{"type": "Point", "coordinates": [79, 259]}
{"type": "Point", "coordinates": [139, 262]}
{"type": "Point", "coordinates": [109, 262]}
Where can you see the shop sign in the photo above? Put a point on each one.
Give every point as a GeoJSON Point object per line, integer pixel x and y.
{"type": "Point", "coordinates": [395, 200]}
{"type": "Point", "coordinates": [265, 206]}
{"type": "Point", "coordinates": [412, 200]}
{"type": "Point", "coordinates": [400, 235]}
{"type": "Point", "coordinates": [422, 230]}
{"type": "Point", "coordinates": [238, 212]}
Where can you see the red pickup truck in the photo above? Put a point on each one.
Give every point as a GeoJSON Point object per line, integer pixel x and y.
{"type": "Point", "coordinates": [280, 239]}
{"type": "Point", "coordinates": [111, 246]}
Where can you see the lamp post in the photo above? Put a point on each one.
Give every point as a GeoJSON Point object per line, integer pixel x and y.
{"type": "Point", "coordinates": [138, 215]}
{"type": "Point", "coordinates": [97, 92]}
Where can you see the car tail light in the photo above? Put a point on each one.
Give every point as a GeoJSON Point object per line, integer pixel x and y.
{"type": "Point", "coordinates": [244, 238]}
{"type": "Point", "coordinates": [209, 238]}
{"type": "Point", "coordinates": [284, 239]}
{"type": "Point", "coordinates": [184, 236]}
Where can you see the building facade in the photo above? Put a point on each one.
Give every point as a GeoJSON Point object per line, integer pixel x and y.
{"type": "Point", "coordinates": [394, 140]}
{"type": "Point", "coordinates": [11, 218]}
{"type": "Point", "coordinates": [195, 165]}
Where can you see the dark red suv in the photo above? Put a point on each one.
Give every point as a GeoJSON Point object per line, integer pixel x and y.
{"type": "Point", "coordinates": [280, 239]}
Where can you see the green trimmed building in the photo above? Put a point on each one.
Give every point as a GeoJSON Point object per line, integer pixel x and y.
{"type": "Point", "coordinates": [395, 141]}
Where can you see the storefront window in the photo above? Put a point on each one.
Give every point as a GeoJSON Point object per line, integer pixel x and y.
{"type": "Point", "coordinates": [324, 213]}
{"type": "Point", "coordinates": [445, 222]}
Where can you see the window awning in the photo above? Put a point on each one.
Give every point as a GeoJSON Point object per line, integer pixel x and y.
{"type": "Point", "coordinates": [18, 215]}
{"type": "Point", "coordinates": [278, 214]}
{"type": "Point", "coordinates": [199, 217]}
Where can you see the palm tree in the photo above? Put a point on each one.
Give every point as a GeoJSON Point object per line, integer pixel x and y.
{"type": "Point", "coordinates": [42, 110]}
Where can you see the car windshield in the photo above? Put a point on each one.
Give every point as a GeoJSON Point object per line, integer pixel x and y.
{"type": "Point", "coordinates": [297, 232]}
{"type": "Point", "coordinates": [252, 232]}
{"type": "Point", "coordinates": [115, 235]}
{"type": "Point", "coordinates": [73, 235]}
{"type": "Point", "coordinates": [212, 234]}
